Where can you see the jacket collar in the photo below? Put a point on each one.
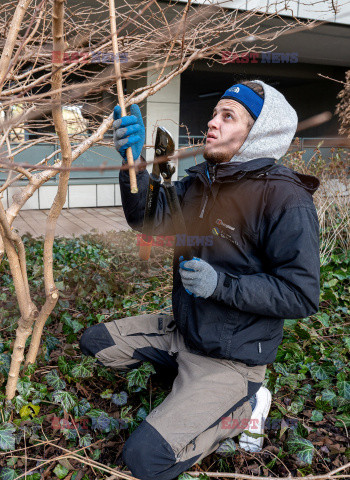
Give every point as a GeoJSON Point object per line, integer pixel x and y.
{"type": "Point", "coordinates": [229, 169]}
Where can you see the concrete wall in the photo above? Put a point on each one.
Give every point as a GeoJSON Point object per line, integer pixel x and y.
{"type": "Point", "coordinates": [101, 195]}
{"type": "Point", "coordinates": [314, 9]}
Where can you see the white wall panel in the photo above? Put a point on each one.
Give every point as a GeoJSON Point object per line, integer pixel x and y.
{"type": "Point", "coordinates": [82, 196]}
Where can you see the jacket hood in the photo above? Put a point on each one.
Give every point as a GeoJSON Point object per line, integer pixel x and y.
{"type": "Point", "coordinates": [273, 131]}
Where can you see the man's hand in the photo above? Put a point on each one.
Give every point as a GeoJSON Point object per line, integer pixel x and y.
{"type": "Point", "coordinates": [198, 277]}
{"type": "Point", "coordinates": [128, 131]}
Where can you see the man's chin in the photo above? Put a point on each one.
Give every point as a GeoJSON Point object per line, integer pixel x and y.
{"type": "Point", "coordinates": [216, 157]}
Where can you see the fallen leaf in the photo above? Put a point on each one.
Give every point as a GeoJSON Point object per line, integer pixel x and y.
{"type": "Point", "coordinates": [65, 463]}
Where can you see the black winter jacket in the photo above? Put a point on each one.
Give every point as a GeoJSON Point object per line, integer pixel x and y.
{"type": "Point", "coordinates": [265, 249]}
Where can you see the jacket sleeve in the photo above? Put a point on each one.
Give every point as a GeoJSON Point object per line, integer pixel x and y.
{"type": "Point", "coordinates": [290, 287]}
{"type": "Point", "coordinates": [134, 203]}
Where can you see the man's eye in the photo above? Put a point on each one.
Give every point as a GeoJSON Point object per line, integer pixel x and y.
{"type": "Point", "coordinates": [229, 115]}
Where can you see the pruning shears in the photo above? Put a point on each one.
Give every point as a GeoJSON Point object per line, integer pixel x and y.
{"type": "Point", "coordinates": [164, 147]}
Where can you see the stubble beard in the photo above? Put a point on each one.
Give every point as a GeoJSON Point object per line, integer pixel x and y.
{"type": "Point", "coordinates": [217, 157]}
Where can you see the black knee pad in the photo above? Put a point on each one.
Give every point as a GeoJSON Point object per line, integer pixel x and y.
{"type": "Point", "coordinates": [95, 339]}
{"type": "Point", "coordinates": [148, 455]}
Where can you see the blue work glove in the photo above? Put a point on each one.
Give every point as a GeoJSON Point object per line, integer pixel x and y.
{"type": "Point", "coordinates": [128, 131]}
{"type": "Point", "coordinates": [198, 277]}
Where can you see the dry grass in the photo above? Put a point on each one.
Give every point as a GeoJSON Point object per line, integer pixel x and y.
{"type": "Point", "coordinates": [332, 199]}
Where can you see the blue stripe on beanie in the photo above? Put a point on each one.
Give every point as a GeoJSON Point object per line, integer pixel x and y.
{"type": "Point", "coordinates": [247, 97]}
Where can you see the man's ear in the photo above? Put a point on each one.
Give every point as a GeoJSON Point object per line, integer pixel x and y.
{"type": "Point", "coordinates": [251, 122]}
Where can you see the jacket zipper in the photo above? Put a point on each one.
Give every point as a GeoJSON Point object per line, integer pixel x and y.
{"type": "Point", "coordinates": [206, 197]}
{"type": "Point", "coordinates": [205, 204]}
{"type": "Point", "coordinates": [214, 172]}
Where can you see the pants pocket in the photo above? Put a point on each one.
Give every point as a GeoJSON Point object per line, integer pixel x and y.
{"type": "Point", "coordinates": [166, 323]}
{"type": "Point", "coordinates": [148, 324]}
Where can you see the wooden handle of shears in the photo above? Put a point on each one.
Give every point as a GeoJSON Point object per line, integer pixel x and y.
{"type": "Point", "coordinates": [145, 249]}
{"type": "Point", "coordinates": [130, 159]}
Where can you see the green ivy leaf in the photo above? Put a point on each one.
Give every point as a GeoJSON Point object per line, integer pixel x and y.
{"type": "Point", "coordinates": [55, 381]}
{"type": "Point", "coordinates": [25, 387]}
{"type": "Point", "coordinates": [302, 331]}
{"type": "Point", "coordinates": [185, 476]}
{"type": "Point", "coordinates": [60, 471]}
{"type": "Point", "coordinates": [40, 392]}
{"type": "Point", "coordinates": [344, 389]}
{"type": "Point", "coordinates": [102, 422]}
{"type": "Point", "coordinates": [282, 409]}
{"type": "Point", "coordinates": [95, 413]}
{"type": "Point", "coordinates": [316, 416]}
{"type": "Point", "coordinates": [300, 430]}
{"type": "Point", "coordinates": [346, 340]}
{"type": "Point", "coordinates": [301, 447]}
{"type": "Point", "coordinates": [70, 434]}
{"type": "Point", "coordinates": [19, 402]}
{"type": "Point", "coordinates": [66, 399]}
{"type": "Point", "coordinates": [329, 396]}
{"type": "Point", "coordinates": [11, 462]}
{"type": "Point", "coordinates": [297, 405]}
{"type": "Point", "coordinates": [342, 376]}
{"type": "Point", "coordinates": [125, 417]}
{"type": "Point", "coordinates": [227, 448]}
{"type": "Point", "coordinates": [319, 373]}
{"type": "Point", "coordinates": [120, 399]}
{"type": "Point", "coordinates": [281, 368]}
{"type": "Point", "coordinates": [331, 283]}
{"type": "Point", "coordinates": [323, 318]}
{"type": "Point", "coordinates": [51, 343]}
{"type": "Point", "coordinates": [305, 389]}
{"type": "Point", "coordinates": [345, 417]}
{"type": "Point", "coordinates": [30, 370]}
{"type": "Point", "coordinates": [7, 439]}
{"type": "Point", "coordinates": [105, 373]}
{"type": "Point", "coordinates": [141, 413]}
{"type": "Point", "coordinates": [63, 365]}
{"type": "Point", "coordinates": [83, 407]}
{"type": "Point", "coordinates": [138, 377]}
{"type": "Point", "coordinates": [34, 476]}
{"type": "Point", "coordinates": [8, 474]}
{"type": "Point", "coordinates": [71, 323]}
{"type": "Point", "coordinates": [85, 441]}
{"type": "Point", "coordinates": [290, 380]}
{"type": "Point", "coordinates": [323, 406]}
{"type": "Point", "coordinates": [96, 454]}
{"type": "Point", "coordinates": [83, 369]}
{"type": "Point", "coordinates": [107, 393]}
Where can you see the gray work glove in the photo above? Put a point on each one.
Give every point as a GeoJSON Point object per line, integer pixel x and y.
{"type": "Point", "coordinates": [198, 277]}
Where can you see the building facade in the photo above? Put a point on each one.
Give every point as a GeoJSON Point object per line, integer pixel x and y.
{"type": "Point", "coordinates": [307, 67]}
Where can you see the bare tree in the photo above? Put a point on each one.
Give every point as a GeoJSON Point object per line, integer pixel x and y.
{"type": "Point", "coordinates": [343, 107]}
{"type": "Point", "coordinates": [46, 65]}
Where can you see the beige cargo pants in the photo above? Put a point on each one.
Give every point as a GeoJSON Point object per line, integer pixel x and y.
{"type": "Point", "coordinates": [207, 404]}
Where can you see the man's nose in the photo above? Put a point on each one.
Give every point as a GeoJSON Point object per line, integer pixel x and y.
{"type": "Point", "coordinates": [213, 123]}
